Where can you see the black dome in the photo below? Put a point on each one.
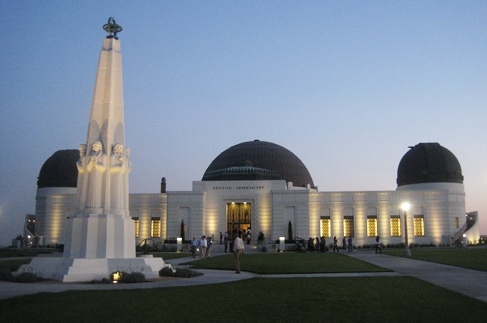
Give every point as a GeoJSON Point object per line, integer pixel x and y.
{"type": "Point", "coordinates": [60, 170]}
{"type": "Point", "coordinates": [429, 163]}
{"type": "Point", "coordinates": [258, 160]}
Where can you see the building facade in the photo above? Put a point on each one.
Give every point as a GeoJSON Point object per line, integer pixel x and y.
{"type": "Point", "coordinates": [264, 187]}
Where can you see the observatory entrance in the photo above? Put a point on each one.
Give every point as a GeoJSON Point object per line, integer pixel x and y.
{"type": "Point", "coordinates": [238, 218]}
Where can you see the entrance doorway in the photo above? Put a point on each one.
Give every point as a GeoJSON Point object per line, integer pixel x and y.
{"type": "Point", "coordinates": [238, 218]}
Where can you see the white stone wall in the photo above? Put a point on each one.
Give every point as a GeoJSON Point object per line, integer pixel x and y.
{"type": "Point", "coordinates": [53, 206]}
{"type": "Point", "coordinates": [145, 207]}
{"type": "Point", "coordinates": [186, 206]}
{"type": "Point", "coordinates": [273, 206]}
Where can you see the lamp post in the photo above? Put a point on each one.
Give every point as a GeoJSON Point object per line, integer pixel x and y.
{"type": "Point", "coordinates": [405, 207]}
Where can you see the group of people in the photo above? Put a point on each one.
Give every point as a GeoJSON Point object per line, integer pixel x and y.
{"type": "Point", "coordinates": [205, 244]}
{"type": "Point", "coordinates": [319, 245]}
{"type": "Point", "coordinates": [237, 247]}
{"type": "Point", "coordinates": [345, 245]}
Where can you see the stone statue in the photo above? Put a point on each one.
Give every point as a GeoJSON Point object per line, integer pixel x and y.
{"type": "Point", "coordinates": [81, 163]}
{"type": "Point", "coordinates": [96, 166]}
{"type": "Point", "coordinates": [117, 165]}
{"type": "Point", "coordinates": [126, 170]}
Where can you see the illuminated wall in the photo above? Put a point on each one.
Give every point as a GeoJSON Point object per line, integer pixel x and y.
{"type": "Point", "coordinates": [274, 204]}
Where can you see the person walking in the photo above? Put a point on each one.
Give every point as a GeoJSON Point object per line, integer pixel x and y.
{"type": "Point", "coordinates": [350, 245]}
{"type": "Point", "coordinates": [203, 246]}
{"type": "Point", "coordinates": [194, 245]}
{"type": "Point", "coordinates": [208, 246]}
{"type": "Point", "coordinates": [335, 244]}
{"type": "Point", "coordinates": [225, 241]}
{"type": "Point", "coordinates": [238, 251]}
{"type": "Point", "coordinates": [378, 247]}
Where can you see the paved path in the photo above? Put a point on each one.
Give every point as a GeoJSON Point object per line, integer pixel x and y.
{"type": "Point", "coordinates": [469, 282]}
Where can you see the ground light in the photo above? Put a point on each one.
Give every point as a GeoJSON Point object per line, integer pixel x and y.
{"type": "Point", "coordinates": [179, 244]}
{"type": "Point", "coordinates": [282, 245]}
{"type": "Point", "coordinates": [116, 277]}
{"type": "Point", "coordinates": [405, 207]}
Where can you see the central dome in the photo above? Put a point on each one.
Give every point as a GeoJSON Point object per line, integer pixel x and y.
{"type": "Point", "coordinates": [258, 160]}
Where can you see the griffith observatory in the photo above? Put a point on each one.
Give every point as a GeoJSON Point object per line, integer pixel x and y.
{"type": "Point", "coordinates": [255, 185]}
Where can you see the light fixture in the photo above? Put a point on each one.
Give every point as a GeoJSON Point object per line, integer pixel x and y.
{"type": "Point", "coordinates": [405, 207]}
{"type": "Point", "coordinates": [116, 277]}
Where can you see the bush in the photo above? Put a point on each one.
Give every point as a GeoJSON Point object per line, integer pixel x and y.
{"type": "Point", "coordinates": [26, 278]}
{"type": "Point", "coordinates": [169, 248]}
{"type": "Point", "coordinates": [182, 272]}
{"type": "Point", "coordinates": [5, 274]}
{"type": "Point", "coordinates": [131, 278]}
{"type": "Point", "coordinates": [128, 278]}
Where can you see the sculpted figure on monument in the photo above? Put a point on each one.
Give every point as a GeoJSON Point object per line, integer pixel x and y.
{"type": "Point", "coordinates": [126, 170]}
{"type": "Point", "coordinates": [117, 165]}
{"type": "Point", "coordinates": [81, 163]}
{"type": "Point", "coordinates": [96, 168]}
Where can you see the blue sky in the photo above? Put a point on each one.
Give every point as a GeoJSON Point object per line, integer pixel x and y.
{"type": "Point", "coordinates": [345, 85]}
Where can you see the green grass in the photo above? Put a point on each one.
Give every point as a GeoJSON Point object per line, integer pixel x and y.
{"type": "Point", "coordinates": [467, 258]}
{"type": "Point", "coordinates": [11, 252]}
{"type": "Point", "coordinates": [170, 255]}
{"type": "Point", "coordinates": [289, 263]}
{"type": "Point", "coordinates": [18, 262]}
{"type": "Point", "coordinates": [371, 299]}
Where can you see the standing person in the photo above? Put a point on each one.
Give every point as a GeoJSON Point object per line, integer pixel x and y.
{"type": "Point", "coordinates": [238, 247]}
{"type": "Point", "coordinates": [203, 246]}
{"type": "Point", "coordinates": [323, 244]}
{"type": "Point", "coordinates": [225, 241]}
{"type": "Point", "coordinates": [378, 247]}
{"type": "Point", "coordinates": [221, 237]}
{"type": "Point", "coordinates": [317, 244]}
{"type": "Point", "coordinates": [194, 245]}
{"type": "Point", "coordinates": [335, 244]}
{"type": "Point", "coordinates": [208, 246]}
{"type": "Point", "coordinates": [350, 245]}
{"type": "Point", "coordinates": [344, 241]}
{"type": "Point", "coordinates": [249, 235]}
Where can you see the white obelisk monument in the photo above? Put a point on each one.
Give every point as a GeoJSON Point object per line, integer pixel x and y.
{"type": "Point", "coordinates": [100, 237]}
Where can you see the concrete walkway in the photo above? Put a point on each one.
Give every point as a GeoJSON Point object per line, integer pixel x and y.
{"type": "Point", "coordinates": [469, 282]}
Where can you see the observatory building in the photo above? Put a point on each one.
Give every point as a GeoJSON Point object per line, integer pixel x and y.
{"type": "Point", "coordinates": [264, 187]}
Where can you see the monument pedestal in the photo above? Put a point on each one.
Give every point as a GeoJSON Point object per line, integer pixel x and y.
{"type": "Point", "coordinates": [70, 270]}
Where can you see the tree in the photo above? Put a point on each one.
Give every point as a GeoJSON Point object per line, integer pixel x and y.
{"type": "Point", "coordinates": [290, 231]}
{"type": "Point", "coordinates": [182, 229]}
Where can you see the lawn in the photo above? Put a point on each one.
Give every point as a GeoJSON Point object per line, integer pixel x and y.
{"type": "Point", "coordinates": [473, 258]}
{"type": "Point", "coordinates": [366, 299]}
{"type": "Point", "coordinates": [289, 263]}
{"type": "Point", "coordinates": [170, 255]}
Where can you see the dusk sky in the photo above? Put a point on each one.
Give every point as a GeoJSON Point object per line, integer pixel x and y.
{"type": "Point", "coordinates": [345, 85]}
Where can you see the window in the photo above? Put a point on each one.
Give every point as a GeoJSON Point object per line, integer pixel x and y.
{"type": "Point", "coordinates": [325, 226]}
{"type": "Point", "coordinates": [395, 226]}
{"type": "Point", "coordinates": [419, 226]}
{"type": "Point", "coordinates": [457, 222]}
{"type": "Point", "coordinates": [371, 226]}
{"type": "Point", "coordinates": [155, 228]}
{"type": "Point", "coordinates": [136, 221]}
{"type": "Point", "coordinates": [348, 226]}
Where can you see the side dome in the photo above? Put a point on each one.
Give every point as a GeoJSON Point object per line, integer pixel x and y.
{"type": "Point", "coordinates": [60, 170]}
{"type": "Point", "coordinates": [258, 160]}
{"type": "Point", "coordinates": [429, 163]}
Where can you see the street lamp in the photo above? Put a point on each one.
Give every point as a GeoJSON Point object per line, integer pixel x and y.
{"type": "Point", "coordinates": [405, 207]}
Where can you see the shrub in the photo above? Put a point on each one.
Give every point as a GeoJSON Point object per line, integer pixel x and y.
{"type": "Point", "coordinates": [166, 271]}
{"type": "Point", "coordinates": [5, 274]}
{"type": "Point", "coordinates": [181, 272]}
{"type": "Point", "coordinates": [128, 278]}
{"type": "Point", "coordinates": [26, 278]}
{"type": "Point", "coordinates": [134, 277]}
